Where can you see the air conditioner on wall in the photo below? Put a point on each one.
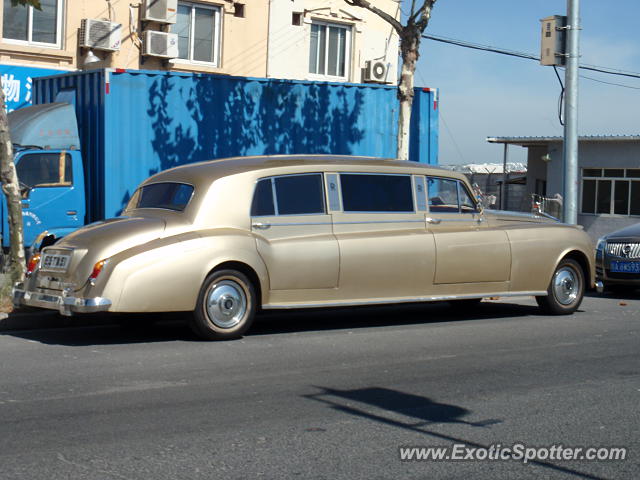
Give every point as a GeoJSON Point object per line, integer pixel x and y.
{"type": "Point", "coordinates": [100, 34]}
{"type": "Point", "coordinates": [160, 44]}
{"type": "Point", "coordinates": [374, 71]}
{"type": "Point", "coordinates": [161, 11]}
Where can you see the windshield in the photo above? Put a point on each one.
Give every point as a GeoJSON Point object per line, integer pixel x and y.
{"type": "Point", "coordinates": [170, 196]}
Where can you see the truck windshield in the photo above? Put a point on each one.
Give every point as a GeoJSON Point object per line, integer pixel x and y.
{"type": "Point", "coordinates": [171, 196]}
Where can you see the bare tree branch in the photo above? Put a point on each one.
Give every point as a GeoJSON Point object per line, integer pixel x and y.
{"type": "Point", "coordinates": [425, 15]}
{"type": "Point", "coordinates": [382, 14]}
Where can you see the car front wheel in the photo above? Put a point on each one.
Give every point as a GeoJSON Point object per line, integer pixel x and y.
{"type": "Point", "coordinates": [566, 289]}
{"type": "Point", "coordinates": [226, 306]}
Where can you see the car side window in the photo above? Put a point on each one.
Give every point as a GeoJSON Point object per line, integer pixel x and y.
{"type": "Point", "coordinates": [467, 205]}
{"type": "Point", "coordinates": [443, 195]}
{"type": "Point", "coordinates": [376, 193]}
{"type": "Point", "coordinates": [300, 194]}
{"type": "Point", "coordinates": [262, 204]}
{"type": "Point", "coordinates": [294, 195]}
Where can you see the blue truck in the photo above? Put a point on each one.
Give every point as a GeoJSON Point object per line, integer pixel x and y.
{"type": "Point", "coordinates": [91, 137]}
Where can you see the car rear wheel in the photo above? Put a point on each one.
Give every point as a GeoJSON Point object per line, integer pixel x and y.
{"type": "Point", "coordinates": [226, 306]}
{"type": "Point", "coordinates": [566, 289]}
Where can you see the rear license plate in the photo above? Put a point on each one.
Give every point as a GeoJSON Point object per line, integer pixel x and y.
{"type": "Point", "coordinates": [625, 267]}
{"type": "Point", "coordinates": [55, 262]}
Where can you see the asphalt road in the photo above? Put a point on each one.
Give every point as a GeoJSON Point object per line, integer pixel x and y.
{"type": "Point", "coordinates": [325, 395]}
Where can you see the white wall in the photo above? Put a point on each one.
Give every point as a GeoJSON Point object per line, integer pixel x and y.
{"type": "Point", "coordinates": [371, 37]}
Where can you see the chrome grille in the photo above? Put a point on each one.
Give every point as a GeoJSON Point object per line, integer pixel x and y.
{"type": "Point", "coordinates": [624, 250]}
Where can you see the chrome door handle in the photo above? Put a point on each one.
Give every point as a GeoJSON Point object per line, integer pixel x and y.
{"type": "Point", "coordinates": [434, 221]}
{"type": "Point", "coordinates": [261, 226]}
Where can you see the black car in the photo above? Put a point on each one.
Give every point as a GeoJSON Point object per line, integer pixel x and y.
{"type": "Point", "coordinates": [618, 259]}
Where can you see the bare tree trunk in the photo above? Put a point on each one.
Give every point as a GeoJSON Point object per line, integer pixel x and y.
{"type": "Point", "coordinates": [409, 42]}
{"type": "Point", "coordinates": [410, 36]}
{"type": "Point", "coordinates": [11, 189]}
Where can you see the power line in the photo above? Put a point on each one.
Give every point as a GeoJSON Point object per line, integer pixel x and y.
{"type": "Point", "coordinates": [609, 83]}
{"type": "Point", "coordinates": [529, 56]}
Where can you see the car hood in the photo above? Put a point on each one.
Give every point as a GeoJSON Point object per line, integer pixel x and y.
{"type": "Point", "coordinates": [508, 216]}
{"type": "Point", "coordinates": [106, 238]}
{"type": "Point", "coordinates": [628, 234]}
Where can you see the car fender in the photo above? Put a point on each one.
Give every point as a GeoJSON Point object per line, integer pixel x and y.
{"type": "Point", "coordinates": [167, 274]}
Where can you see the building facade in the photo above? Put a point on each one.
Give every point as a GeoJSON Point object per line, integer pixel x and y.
{"type": "Point", "coordinates": [292, 39]}
{"type": "Point", "coordinates": [609, 177]}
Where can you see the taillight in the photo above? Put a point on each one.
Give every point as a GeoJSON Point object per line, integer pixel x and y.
{"type": "Point", "coordinates": [97, 268]}
{"type": "Point", "coordinates": [33, 263]}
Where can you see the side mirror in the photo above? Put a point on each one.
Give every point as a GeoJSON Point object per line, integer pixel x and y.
{"type": "Point", "coordinates": [25, 190]}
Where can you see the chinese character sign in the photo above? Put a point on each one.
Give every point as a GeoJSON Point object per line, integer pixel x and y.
{"type": "Point", "coordinates": [17, 83]}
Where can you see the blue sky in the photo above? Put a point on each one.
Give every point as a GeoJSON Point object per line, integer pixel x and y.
{"type": "Point", "coordinates": [485, 94]}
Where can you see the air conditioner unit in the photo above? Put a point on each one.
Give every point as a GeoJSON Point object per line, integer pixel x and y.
{"type": "Point", "coordinates": [160, 44]}
{"type": "Point", "coordinates": [100, 34]}
{"type": "Point", "coordinates": [161, 11]}
{"type": "Point", "coordinates": [374, 71]}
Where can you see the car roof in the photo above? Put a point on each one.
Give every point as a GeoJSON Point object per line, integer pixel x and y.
{"type": "Point", "coordinates": [206, 172]}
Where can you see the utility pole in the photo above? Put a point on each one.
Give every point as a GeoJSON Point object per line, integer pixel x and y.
{"type": "Point", "coordinates": [570, 146]}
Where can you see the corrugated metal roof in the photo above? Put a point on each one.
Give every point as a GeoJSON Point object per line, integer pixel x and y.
{"type": "Point", "coordinates": [532, 141]}
{"type": "Point", "coordinates": [497, 168]}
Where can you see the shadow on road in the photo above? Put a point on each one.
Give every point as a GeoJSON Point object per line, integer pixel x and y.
{"type": "Point", "coordinates": [149, 328]}
{"type": "Point", "coordinates": [620, 294]}
{"type": "Point", "coordinates": [414, 413]}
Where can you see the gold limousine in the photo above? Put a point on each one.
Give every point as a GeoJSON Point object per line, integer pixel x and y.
{"type": "Point", "coordinates": [229, 237]}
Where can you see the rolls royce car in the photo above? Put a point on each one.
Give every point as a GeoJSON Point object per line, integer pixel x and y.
{"type": "Point", "coordinates": [618, 259]}
{"type": "Point", "coordinates": [224, 239]}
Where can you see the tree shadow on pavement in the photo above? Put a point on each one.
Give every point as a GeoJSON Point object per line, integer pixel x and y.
{"type": "Point", "coordinates": [415, 413]}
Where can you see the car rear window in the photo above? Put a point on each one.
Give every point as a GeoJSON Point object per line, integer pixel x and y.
{"type": "Point", "coordinates": [170, 196]}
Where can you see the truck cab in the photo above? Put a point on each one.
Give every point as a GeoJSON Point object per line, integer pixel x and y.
{"type": "Point", "coordinates": [50, 170]}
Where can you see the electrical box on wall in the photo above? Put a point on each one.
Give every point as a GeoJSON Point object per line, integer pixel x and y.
{"type": "Point", "coordinates": [553, 40]}
{"type": "Point", "coordinates": [160, 44]}
{"type": "Point", "coordinates": [100, 34]}
{"type": "Point", "coordinates": [161, 11]}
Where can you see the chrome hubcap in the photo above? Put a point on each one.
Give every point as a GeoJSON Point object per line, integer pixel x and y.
{"type": "Point", "coordinates": [226, 303]}
{"type": "Point", "coordinates": [566, 286]}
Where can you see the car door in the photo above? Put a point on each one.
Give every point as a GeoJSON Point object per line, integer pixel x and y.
{"type": "Point", "coordinates": [468, 251]}
{"type": "Point", "coordinates": [293, 232]}
{"type": "Point", "coordinates": [53, 197]}
{"type": "Point", "coordinates": [386, 252]}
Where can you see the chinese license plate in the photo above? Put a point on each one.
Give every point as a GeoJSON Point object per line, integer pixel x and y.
{"type": "Point", "coordinates": [55, 262]}
{"type": "Point", "coordinates": [625, 267]}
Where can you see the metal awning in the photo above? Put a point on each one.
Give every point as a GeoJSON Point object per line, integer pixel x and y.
{"type": "Point", "coordinates": [541, 141]}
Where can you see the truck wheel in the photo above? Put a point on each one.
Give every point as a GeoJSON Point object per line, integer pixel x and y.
{"type": "Point", "coordinates": [226, 306]}
{"type": "Point", "coordinates": [566, 289]}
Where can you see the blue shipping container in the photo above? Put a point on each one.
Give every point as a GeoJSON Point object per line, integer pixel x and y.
{"type": "Point", "coordinates": [135, 123]}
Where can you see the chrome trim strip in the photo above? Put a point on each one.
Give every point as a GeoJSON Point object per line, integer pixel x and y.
{"type": "Point", "coordinates": [453, 220]}
{"type": "Point", "coordinates": [275, 197]}
{"type": "Point", "coordinates": [367, 222]}
{"type": "Point", "coordinates": [420, 193]}
{"type": "Point", "coordinates": [435, 298]}
{"type": "Point", "coordinates": [334, 192]}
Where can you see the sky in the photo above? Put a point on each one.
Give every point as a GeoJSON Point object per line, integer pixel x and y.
{"type": "Point", "coordinates": [485, 94]}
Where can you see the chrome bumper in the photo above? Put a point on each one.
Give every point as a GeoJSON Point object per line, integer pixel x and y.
{"type": "Point", "coordinates": [599, 286]}
{"type": "Point", "coordinates": [66, 305]}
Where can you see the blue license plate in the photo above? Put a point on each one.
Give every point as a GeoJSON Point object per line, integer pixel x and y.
{"type": "Point", "coordinates": [625, 267]}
